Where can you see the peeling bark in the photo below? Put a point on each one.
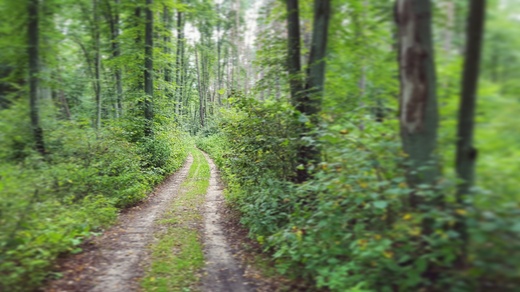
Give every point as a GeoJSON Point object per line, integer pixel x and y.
{"type": "Point", "coordinates": [418, 101]}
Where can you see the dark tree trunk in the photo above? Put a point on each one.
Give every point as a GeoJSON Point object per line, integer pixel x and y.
{"type": "Point", "coordinates": [33, 37]}
{"type": "Point", "coordinates": [466, 153]}
{"type": "Point", "coordinates": [316, 74]}
{"type": "Point", "coordinates": [309, 103]}
{"type": "Point", "coordinates": [113, 15]}
{"type": "Point", "coordinates": [148, 69]}
{"type": "Point", "coordinates": [97, 62]}
{"type": "Point", "coordinates": [168, 25]}
{"type": "Point", "coordinates": [294, 51]}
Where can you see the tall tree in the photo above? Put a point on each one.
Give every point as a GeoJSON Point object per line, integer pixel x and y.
{"type": "Point", "coordinates": [33, 39]}
{"type": "Point", "coordinates": [308, 102]}
{"type": "Point", "coordinates": [180, 70]}
{"type": "Point", "coordinates": [168, 26]}
{"type": "Point", "coordinates": [112, 16]}
{"type": "Point", "coordinates": [466, 153]}
{"type": "Point", "coordinates": [96, 37]}
{"type": "Point", "coordinates": [418, 101]}
{"type": "Point", "coordinates": [148, 69]}
{"type": "Point", "coordinates": [294, 51]}
{"type": "Point", "coordinates": [316, 71]}
{"type": "Point", "coordinates": [200, 89]}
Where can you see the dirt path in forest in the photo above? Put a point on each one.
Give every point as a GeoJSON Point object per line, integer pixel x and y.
{"type": "Point", "coordinates": [116, 260]}
{"type": "Point", "coordinates": [222, 272]}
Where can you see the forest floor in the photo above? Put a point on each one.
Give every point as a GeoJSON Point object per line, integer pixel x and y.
{"type": "Point", "coordinates": [182, 238]}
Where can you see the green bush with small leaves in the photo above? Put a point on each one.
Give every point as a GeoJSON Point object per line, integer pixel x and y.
{"type": "Point", "coordinates": [49, 205]}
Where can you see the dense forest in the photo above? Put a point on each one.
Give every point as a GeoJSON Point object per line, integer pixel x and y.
{"type": "Point", "coordinates": [367, 145]}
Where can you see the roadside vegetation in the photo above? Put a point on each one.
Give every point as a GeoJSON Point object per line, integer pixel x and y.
{"type": "Point", "coordinates": [367, 145]}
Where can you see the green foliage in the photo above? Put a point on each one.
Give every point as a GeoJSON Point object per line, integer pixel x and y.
{"type": "Point", "coordinates": [351, 228]}
{"type": "Point", "coordinates": [48, 206]}
{"type": "Point", "coordinates": [256, 153]}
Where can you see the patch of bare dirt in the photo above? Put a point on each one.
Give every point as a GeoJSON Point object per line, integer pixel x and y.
{"type": "Point", "coordinates": [232, 257]}
{"type": "Point", "coordinates": [222, 273]}
{"type": "Point", "coordinates": [114, 261]}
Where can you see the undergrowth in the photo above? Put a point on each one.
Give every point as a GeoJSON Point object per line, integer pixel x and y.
{"type": "Point", "coordinates": [351, 227]}
{"type": "Point", "coordinates": [49, 205]}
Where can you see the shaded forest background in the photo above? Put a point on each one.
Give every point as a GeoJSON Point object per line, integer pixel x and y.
{"type": "Point", "coordinates": [101, 99]}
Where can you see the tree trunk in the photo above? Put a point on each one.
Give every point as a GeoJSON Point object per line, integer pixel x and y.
{"type": "Point", "coordinates": [310, 102]}
{"type": "Point", "coordinates": [168, 25]}
{"type": "Point", "coordinates": [148, 69]}
{"type": "Point", "coordinates": [448, 31]}
{"type": "Point", "coordinates": [97, 63]}
{"type": "Point", "coordinates": [200, 90]}
{"type": "Point", "coordinates": [418, 100]}
{"type": "Point", "coordinates": [466, 153]}
{"type": "Point", "coordinates": [294, 51]}
{"type": "Point", "coordinates": [316, 73]}
{"type": "Point", "coordinates": [112, 16]}
{"type": "Point", "coordinates": [219, 54]}
{"type": "Point", "coordinates": [418, 108]}
{"type": "Point", "coordinates": [116, 54]}
{"type": "Point", "coordinates": [179, 61]}
{"type": "Point", "coordinates": [33, 36]}
{"type": "Point", "coordinates": [63, 103]}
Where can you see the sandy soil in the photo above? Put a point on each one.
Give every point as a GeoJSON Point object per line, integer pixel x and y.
{"type": "Point", "coordinates": [222, 272]}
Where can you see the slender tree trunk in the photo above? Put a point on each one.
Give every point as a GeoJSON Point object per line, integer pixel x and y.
{"type": "Point", "coordinates": [237, 45]}
{"type": "Point", "coordinates": [64, 104]}
{"type": "Point", "coordinates": [466, 153]}
{"type": "Point", "coordinates": [310, 102]}
{"type": "Point", "coordinates": [138, 42]}
{"type": "Point", "coordinates": [186, 82]}
{"type": "Point", "coordinates": [219, 53]}
{"type": "Point", "coordinates": [316, 73]}
{"type": "Point", "coordinates": [168, 25]}
{"type": "Point", "coordinates": [33, 39]}
{"type": "Point", "coordinates": [116, 54]}
{"type": "Point", "coordinates": [448, 31]}
{"type": "Point", "coordinates": [179, 62]}
{"type": "Point", "coordinates": [294, 51]}
{"type": "Point", "coordinates": [200, 90]}
{"type": "Point", "coordinates": [148, 69]}
{"type": "Point", "coordinates": [112, 16]}
{"type": "Point", "coordinates": [97, 63]}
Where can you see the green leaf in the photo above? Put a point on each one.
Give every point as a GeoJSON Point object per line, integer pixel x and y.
{"type": "Point", "coordinates": [380, 204]}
